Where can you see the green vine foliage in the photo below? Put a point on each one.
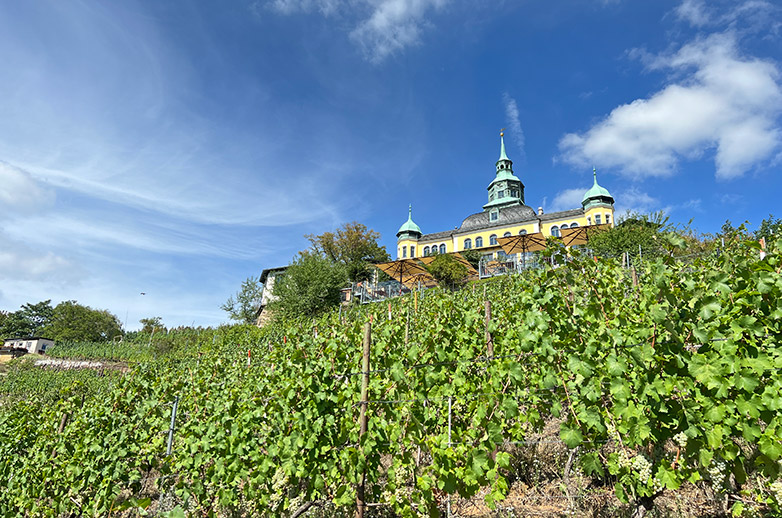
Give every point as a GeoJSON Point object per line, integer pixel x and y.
{"type": "Point", "coordinates": [669, 382]}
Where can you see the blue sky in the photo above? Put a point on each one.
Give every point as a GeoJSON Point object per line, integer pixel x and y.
{"type": "Point", "coordinates": [176, 148]}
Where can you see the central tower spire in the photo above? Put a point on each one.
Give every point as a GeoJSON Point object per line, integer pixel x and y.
{"type": "Point", "coordinates": [506, 189]}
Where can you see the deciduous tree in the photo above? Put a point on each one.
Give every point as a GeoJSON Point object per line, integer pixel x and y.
{"type": "Point", "coordinates": [353, 245]}
{"type": "Point", "coordinates": [244, 305]}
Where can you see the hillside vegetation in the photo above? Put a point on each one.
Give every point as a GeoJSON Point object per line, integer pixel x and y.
{"type": "Point", "coordinates": [658, 387]}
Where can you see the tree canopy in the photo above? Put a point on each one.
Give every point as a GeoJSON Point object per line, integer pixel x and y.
{"type": "Point", "coordinates": [649, 233]}
{"type": "Point", "coordinates": [447, 270]}
{"type": "Point", "coordinates": [68, 321]}
{"type": "Point", "coordinates": [311, 284]}
{"type": "Point", "coordinates": [353, 245]}
{"type": "Point", "coordinates": [244, 305]}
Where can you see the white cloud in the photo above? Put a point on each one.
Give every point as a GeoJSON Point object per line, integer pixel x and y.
{"type": "Point", "coordinates": [385, 27]}
{"type": "Point", "coordinates": [634, 200]}
{"type": "Point", "coordinates": [694, 12]}
{"type": "Point", "coordinates": [750, 15]}
{"type": "Point", "coordinates": [514, 124]}
{"type": "Point", "coordinates": [18, 261]}
{"type": "Point", "coordinates": [20, 192]}
{"type": "Point", "coordinates": [392, 26]}
{"type": "Point", "coordinates": [721, 101]}
{"type": "Point", "coordinates": [568, 199]}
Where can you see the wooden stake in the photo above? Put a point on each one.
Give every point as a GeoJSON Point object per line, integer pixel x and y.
{"type": "Point", "coordinates": [489, 341]}
{"type": "Point", "coordinates": [635, 276]}
{"type": "Point", "coordinates": [360, 504]}
{"type": "Point", "coordinates": [415, 300]}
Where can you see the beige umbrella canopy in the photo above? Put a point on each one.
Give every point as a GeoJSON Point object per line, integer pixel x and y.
{"type": "Point", "coordinates": [406, 271]}
{"type": "Point", "coordinates": [523, 243]}
{"type": "Point", "coordinates": [582, 235]}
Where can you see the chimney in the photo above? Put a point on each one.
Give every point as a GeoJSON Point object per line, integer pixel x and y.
{"type": "Point", "coordinates": [540, 210]}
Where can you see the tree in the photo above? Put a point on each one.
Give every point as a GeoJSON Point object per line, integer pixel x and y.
{"type": "Point", "coordinates": [311, 284]}
{"type": "Point", "coordinates": [150, 324]}
{"type": "Point", "coordinates": [473, 257]}
{"type": "Point", "coordinates": [770, 226]}
{"type": "Point", "coordinates": [447, 270]}
{"type": "Point", "coordinates": [29, 321]}
{"type": "Point", "coordinates": [651, 232]}
{"type": "Point", "coordinates": [73, 322]}
{"type": "Point", "coordinates": [352, 245]}
{"type": "Point", "coordinates": [244, 308]}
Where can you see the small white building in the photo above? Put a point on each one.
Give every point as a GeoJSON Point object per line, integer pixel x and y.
{"type": "Point", "coordinates": [34, 344]}
{"type": "Point", "coordinates": [268, 278]}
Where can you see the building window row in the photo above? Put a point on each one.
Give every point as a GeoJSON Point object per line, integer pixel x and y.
{"type": "Point", "coordinates": [434, 250]}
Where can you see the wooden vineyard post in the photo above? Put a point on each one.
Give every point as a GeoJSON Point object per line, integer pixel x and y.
{"type": "Point", "coordinates": [407, 328]}
{"type": "Point", "coordinates": [360, 503]}
{"type": "Point", "coordinates": [489, 341]}
{"type": "Point", "coordinates": [415, 301]}
{"type": "Point", "coordinates": [635, 276]}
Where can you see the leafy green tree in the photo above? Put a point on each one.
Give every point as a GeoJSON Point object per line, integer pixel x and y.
{"type": "Point", "coordinates": [30, 320]}
{"type": "Point", "coordinates": [652, 233]}
{"type": "Point", "coordinates": [770, 226]}
{"type": "Point", "coordinates": [447, 270]}
{"type": "Point", "coordinates": [73, 322]}
{"type": "Point", "coordinates": [353, 245]}
{"type": "Point", "coordinates": [150, 324]}
{"type": "Point", "coordinates": [473, 257]}
{"type": "Point", "coordinates": [243, 307]}
{"type": "Point", "coordinates": [311, 284]}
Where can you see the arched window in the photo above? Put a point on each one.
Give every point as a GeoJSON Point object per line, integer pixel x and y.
{"type": "Point", "coordinates": [493, 239]}
{"type": "Point", "coordinates": [555, 231]}
{"type": "Point", "coordinates": [563, 227]}
{"type": "Point", "coordinates": [522, 232]}
{"type": "Point", "coordinates": [506, 234]}
{"type": "Point", "coordinates": [426, 251]}
{"type": "Point", "coordinates": [478, 242]}
{"type": "Point", "coordinates": [467, 243]}
{"type": "Point", "coordinates": [442, 248]}
{"type": "Point", "coordinates": [574, 225]}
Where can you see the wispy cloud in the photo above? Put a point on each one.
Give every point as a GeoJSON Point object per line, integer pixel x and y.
{"type": "Point", "coordinates": [514, 122]}
{"type": "Point", "coordinates": [720, 100]}
{"type": "Point", "coordinates": [20, 192]}
{"type": "Point", "coordinates": [380, 28]}
{"type": "Point", "coordinates": [749, 15]}
{"type": "Point", "coordinates": [568, 199]}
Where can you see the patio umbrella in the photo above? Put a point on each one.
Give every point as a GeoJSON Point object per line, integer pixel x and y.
{"type": "Point", "coordinates": [402, 270]}
{"type": "Point", "coordinates": [582, 235]}
{"type": "Point", "coordinates": [522, 244]}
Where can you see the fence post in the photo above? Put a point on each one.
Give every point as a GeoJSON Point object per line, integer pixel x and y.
{"type": "Point", "coordinates": [360, 504]}
{"type": "Point", "coordinates": [635, 276]}
{"type": "Point", "coordinates": [449, 445]}
{"type": "Point", "coordinates": [171, 428]}
{"type": "Point", "coordinates": [489, 341]}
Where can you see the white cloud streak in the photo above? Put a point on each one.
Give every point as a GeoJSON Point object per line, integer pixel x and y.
{"type": "Point", "coordinates": [514, 122]}
{"type": "Point", "coordinates": [721, 101]}
{"type": "Point", "coordinates": [385, 27]}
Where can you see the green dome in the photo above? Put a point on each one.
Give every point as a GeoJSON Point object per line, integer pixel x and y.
{"type": "Point", "coordinates": [596, 192]}
{"type": "Point", "coordinates": [409, 226]}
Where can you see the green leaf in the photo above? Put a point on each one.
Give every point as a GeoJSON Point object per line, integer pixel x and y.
{"type": "Point", "coordinates": [570, 435]}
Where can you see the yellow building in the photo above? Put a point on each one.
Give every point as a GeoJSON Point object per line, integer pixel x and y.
{"type": "Point", "coordinates": [505, 214]}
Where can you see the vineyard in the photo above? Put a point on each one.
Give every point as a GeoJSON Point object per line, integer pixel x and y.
{"type": "Point", "coordinates": [659, 379]}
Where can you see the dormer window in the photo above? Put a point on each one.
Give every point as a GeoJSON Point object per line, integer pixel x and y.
{"type": "Point", "coordinates": [494, 215]}
{"type": "Point", "coordinates": [501, 194]}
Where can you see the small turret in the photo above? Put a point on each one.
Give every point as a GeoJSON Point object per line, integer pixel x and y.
{"type": "Point", "coordinates": [409, 230]}
{"type": "Point", "coordinates": [597, 196]}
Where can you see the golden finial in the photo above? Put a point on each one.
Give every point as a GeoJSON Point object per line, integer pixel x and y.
{"type": "Point", "coordinates": [502, 132]}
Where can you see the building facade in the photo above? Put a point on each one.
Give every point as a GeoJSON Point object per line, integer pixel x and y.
{"type": "Point", "coordinates": [35, 344]}
{"type": "Point", "coordinates": [505, 214]}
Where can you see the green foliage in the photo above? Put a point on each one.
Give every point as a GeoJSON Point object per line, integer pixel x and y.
{"type": "Point", "coordinates": [447, 270]}
{"type": "Point", "coordinates": [244, 307]}
{"type": "Point", "coordinates": [676, 381]}
{"type": "Point", "coordinates": [73, 322]}
{"type": "Point", "coordinates": [473, 257]}
{"type": "Point", "coordinates": [769, 227]}
{"type": "Point", "coordinates": [151, 324]}
{"type": "Point", "coordinates": [30, 320]}
{"type": "Point", "coordinates": [651, 232]}
{"type": "Point", "coordinates": [353, 245]}
{"type": "Point", "coordinates": [311, 284]}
